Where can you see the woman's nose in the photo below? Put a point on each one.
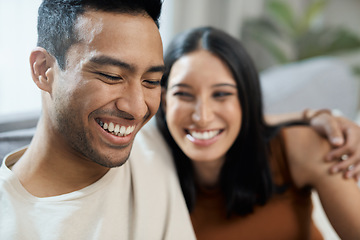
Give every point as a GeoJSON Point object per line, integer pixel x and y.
{"type": "Point", "coordinates": [203, 112]}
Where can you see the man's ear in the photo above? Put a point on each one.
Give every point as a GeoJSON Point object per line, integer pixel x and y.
{"type": "Point", "coordinates": [42, 68]}
{"type": "Point", "coordinates": [163, 99]}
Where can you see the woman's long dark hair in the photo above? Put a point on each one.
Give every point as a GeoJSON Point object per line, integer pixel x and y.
{"type": "Point", "coordinates": [245, 177]}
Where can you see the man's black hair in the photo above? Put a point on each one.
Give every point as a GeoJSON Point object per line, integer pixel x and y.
{"type": "Point", "coordinates": [57, 18]}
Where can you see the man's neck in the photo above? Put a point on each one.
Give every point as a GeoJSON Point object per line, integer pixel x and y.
{"type": "Point", "coordinates": [48, 168]}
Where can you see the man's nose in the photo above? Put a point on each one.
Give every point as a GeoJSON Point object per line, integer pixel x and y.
{"type": "Point", "coordinates": [132, 100]}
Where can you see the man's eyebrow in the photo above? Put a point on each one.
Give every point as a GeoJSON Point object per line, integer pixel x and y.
{"type": "Point", "coordinates": [160, 68]}
{"type": "Point", "coordinates": [105, 60]}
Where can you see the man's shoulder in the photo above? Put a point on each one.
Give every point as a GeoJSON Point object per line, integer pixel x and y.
{"type": "Point", "coordinates": [155, 184]}
{"type": "Point", "coordinates": [150, 147]}
{"type": "Point", "coordinates": [11, 158]}
{"type": "Point", "coordinates": [8, 181]}
{"type": "Point", "coordinates": [151, 161]}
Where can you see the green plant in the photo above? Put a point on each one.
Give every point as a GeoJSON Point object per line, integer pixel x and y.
{"type": "Point", "coordinates": [287, 37]}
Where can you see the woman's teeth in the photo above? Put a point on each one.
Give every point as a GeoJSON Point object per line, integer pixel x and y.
{"type": "Point", "coordinates": [117, 130]}
{"type": "Point", "coordinates": [204, 135]}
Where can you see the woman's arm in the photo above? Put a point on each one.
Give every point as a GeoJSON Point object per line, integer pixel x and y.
{"type": "Point", "coordinates": [322, 121]}
{"type": "Point", "coordinates": [342, 133]}
{"type": "Point", "coordinates": [340, 197]}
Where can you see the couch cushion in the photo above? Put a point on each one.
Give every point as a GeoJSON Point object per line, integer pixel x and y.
{"type": "Point", "coordinates": [12, 140]}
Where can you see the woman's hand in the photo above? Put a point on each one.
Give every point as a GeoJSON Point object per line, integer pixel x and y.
{"type": "Point", "coordinates": [344, 136]}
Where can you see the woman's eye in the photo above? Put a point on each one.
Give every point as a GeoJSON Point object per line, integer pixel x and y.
{"type": "Point", "coordinates": [183, 95]}
{"type": "Point", "coordinates": [221, 94]}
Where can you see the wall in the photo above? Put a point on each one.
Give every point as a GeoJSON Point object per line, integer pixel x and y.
{"type": "Point", "coordinates": [18, 37]}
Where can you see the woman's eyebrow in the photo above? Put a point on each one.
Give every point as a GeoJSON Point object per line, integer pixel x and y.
{"type": "Point", "coordinates": [224, 85]}
{"type": "Point", "coordinates": [180, 85]}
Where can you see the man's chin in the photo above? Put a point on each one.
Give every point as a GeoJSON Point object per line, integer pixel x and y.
{"type": "Point", "coordinates": [112, 158]}
{"type": "Point", "coordinates": [111, 162]}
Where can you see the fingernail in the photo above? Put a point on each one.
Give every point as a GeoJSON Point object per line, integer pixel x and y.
{"type": "Point", "coordinates": [334, 170]}
{"type": "Point", "coordinates": [337, 140]}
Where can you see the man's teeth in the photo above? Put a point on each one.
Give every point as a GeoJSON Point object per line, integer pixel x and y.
{"type": "Point", "coordinates": [117, 129]}
{"type": "Point", "coordinates": [204, 135]}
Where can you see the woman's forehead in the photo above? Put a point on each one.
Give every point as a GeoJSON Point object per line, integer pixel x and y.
{"type": "Point", "coordinates": [201, 66]}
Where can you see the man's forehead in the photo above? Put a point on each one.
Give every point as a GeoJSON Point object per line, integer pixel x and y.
{"type": "Point", "coordinates": [91, 22]}
{"type": "Point", "coordinates": [87, 26]}
{"type": "Point", "coordinates": [114, 35]}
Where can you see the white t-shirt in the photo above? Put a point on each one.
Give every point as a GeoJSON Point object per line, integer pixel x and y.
{"type": "Point", "coordinates": [139, 200]}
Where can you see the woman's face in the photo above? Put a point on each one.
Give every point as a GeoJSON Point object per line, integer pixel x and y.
{"type": "Point", "coordinates": [202, 107]}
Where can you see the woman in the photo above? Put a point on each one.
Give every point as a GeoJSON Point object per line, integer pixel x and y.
{"type": "Point", "coordinates": [241, 178]}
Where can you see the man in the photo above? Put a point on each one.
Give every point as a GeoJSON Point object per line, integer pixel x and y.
{"type": "Point", "coordinates": [99, 65]}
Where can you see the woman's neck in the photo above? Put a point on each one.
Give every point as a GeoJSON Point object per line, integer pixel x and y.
{"type": "Point", "coordinates": [207, 173]}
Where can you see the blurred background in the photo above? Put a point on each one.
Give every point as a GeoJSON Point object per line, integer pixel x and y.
{"type": "Point", "coordinates": [307, 51]}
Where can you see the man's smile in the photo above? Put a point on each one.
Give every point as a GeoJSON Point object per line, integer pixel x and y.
{"type": "Point", "coordinates": [116, 129]}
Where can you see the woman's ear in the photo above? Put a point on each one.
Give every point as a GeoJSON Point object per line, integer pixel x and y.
{"type": "Point", "coordinates": [42, 67]}
{"type": "Point", "coordinates": [163, 99]}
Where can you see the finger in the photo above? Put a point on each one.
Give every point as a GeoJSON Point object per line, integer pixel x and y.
{"type": "Point", "coordinates": [352, 171]}
{"type": "Point", "coordinates": [349, 148]}
{"type": "Point", "coordinates": [336, 153]}
{"type": "Point", "coordinates": [333, 132]}
{"type": "Point", "coordinates": [336, 140]}
{"type": "Point", "coordinates": [345, 165]}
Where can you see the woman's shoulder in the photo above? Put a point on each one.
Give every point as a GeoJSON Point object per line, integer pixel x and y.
{"type": "Point", "coordinates": [299, 138]}
{"type": "Point", "coordinates": [296, 138]}
{"type": "Point", "coordinates": [305, 150]}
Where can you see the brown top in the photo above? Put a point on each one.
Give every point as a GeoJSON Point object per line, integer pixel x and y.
{"type": "Point", "coordinates": [285, 216]}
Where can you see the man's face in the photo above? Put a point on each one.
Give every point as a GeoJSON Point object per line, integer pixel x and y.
{"type": "Point", "coordinates": [110, 87]}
